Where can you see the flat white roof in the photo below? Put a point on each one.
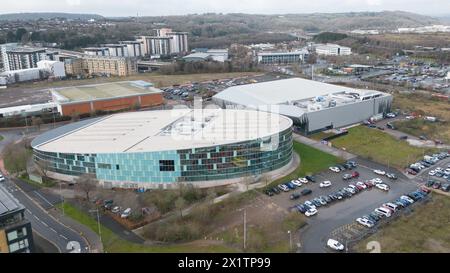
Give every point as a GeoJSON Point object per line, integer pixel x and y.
{"type": "Point", "coordinates": [279, 91]}
{"type": "Point", "coordinates": [162, 130]}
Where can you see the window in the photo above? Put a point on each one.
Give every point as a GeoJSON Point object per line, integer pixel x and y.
{"type": "Point", "coordinates": [12, 235]}
{"type": "Point", "coordinates": [166, 165]}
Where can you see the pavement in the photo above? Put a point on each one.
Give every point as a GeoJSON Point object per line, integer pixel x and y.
{"type": "Point", "coordinates": [323, 147]}
{"type": "Point", "coordinates": [48, 227]}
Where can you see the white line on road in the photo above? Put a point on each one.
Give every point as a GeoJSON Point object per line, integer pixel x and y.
{"type": "Point", "coordinates": [52, 229]}
{"type": "Point", "coordinates": [29, 211]}
{"type": "Point", "coordinates": [37, 218]}
{"type": "Point", "coordinates": [44, 223]}
{"type": "Point", "coordinates": [64, 237]}
{"type": "Point", "coordinates": [43, 198]}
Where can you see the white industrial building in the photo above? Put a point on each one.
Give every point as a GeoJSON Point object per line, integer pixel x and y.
{"type": "Point", "coordinates": [332, 49]}
{"type": "Point", "coordinates": [282, 57]}
{"type": "Point", "coordinates": [96, 51]}
{"type": "Point", "coordinates": [55, 68]}
{"type": "Point", "coordinates": [313, 106]}
{"type": "Point", "coordinates": [117, 50]}
{"type": "Point", "coordinates": [218, 55]}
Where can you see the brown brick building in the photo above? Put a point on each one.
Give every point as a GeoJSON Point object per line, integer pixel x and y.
{"type": "Point", "coordinates": [106, 97]}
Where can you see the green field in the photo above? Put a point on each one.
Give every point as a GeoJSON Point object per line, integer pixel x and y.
{"type": "Point", "coordinates": [379, 146]}
{"type": "Point", "coordinates": [311, 161]}
{"type": "Point", "coordinates": [114, 244]}
{"type": "Point", "coordinates": [425, 230]}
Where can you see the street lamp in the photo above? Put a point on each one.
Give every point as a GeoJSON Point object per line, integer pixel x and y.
{"type": "Point", "coordinates": [62, 198]}
{"type": "Point", "coordinates": [290, 240]}
{"type": "Point", "coordinates": [98, 223]}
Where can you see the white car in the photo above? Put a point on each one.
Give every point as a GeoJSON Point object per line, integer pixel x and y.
{"type": "Point", "coordinates": [311, 212]}
{"type": "Point", "coordinates": [325, 184]}
{"type": "Point", "coordinates": [407, 199]}
{"type": "Point", "coordinates": [364, 222]}
{"type": "Point", "coordinates": [334, 169]}
{"type": "Point", "coordinates": [310, 204]}
{"type": "Point", "coordinates": [382, 187]}
{"type": "Point", "coordinates": [409, 117]}
{"type": "Point", "coordinates": [126, 213]}
{"type": "Point", "coordinates": [296, 183]}
{"type": "Point", "coordinates": [390, 115]}
{"type": "Point", "coordinates": [432, 172]}
{"type": "Point", "coordinates": [380, 172]}
{"type": "Point", "coordinates": [377, 180]}
{"type": "Point", "coordinates": [350, 190]}
{"type": "Point", "coordinates": [391, 206]}
{"type": "Point", "coordinates": [303, 180]}
{"type": "Point", "coordinates": [383, 211]}
{"type": "Point", "coordinates": [333, 244]}
{"type": "Point", "coordinates": [2, 178]}
{"type": "Point", "coordinates": [361, 184]}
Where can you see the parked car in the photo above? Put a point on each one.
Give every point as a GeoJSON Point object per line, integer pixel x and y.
{"type": "Point", "coordinates": [365, 222]}
{"type": "Point", "coordinates": [334, 169]}
{"type": "Point", "coordinates": [303, 180]}
{"type": "Point", "coordinates": [380, 172]}
{"type": "Point", "coordinates": [436, 185]}
{"type": "Point", "coordinates": [116, 209]}
{"type": "Point", "coordinates": [268, 192]}
{"type": "Point", "coordinates": [446, 187]}
{"type": "Point", "coordinates": [325, 184]}
{"type": "Point", "coordinates": [391, 176]}
{"type": "Point", "coordinates": [297, 183]}
{"type": "Point", "coordinates": [294, 196]}
{"type": "Point", "coordinates": [306, 192]}
{"type": "Point", "coordinates": [2, 178]}
{"type": "Point", "coordinates": [275, 190]}
{"type": "Point", "coordinates": [126, 213]}
{"type": "Point", "coordinates": [361, 185]}
{"type": "Point", "coordinates": [283, 187]}
{"type": "Point", "coordinates": [404, 137]}
{"type": "Point", "coordinates": [407, 198]}
{"type": "Point", "coordinates": [383, 211]}
{"type": "Point", "coordinates": [311, 212]}
{"type": "Point", "coordinates": [310, 178]}
{"type": "Point", "coordinates": [382, 187]}
{"type": "Point", "coordinates": [391, 206]}
{"type": "Point", "coordinates": [333, 244]}
{"type": "Point", "coordinates": [301, 208]}
{"type": "Point", "coordinates": [310, 204]}
{"type": "Point", "coordinates": [411, 171]}
{"type": "Point", "coordinates": [347, 176]}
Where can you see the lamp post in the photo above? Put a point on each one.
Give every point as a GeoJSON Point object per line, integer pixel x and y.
{"type": "Point", "coordinates": [98, 223]}
{"type": "Point", "coordinates": [290, 240]}
{"type": "Point", "coordinates": [62, 198]}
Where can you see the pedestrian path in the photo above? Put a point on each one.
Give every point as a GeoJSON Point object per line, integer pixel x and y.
{"type": "Point", "coordinates": [323, 147]}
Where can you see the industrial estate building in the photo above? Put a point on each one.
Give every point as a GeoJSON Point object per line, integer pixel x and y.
{"type": "Point", "coordinates": [332, 49]}
{"type": "Point", "coordinates": [153, 149]}
{"type": "Point", "coordinates": [218, 55]}
{"type": "Point", "coordinates": [282, 57]}
{"type": "Point", "coordinates": [106, 97]}
{"type": "Point", "coordinates": [313, 106]}
{"type": "Point", "coordinates": [16, 235]}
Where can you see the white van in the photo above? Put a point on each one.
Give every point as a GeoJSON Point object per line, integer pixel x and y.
{"type": "Point", "coordinates": [126, 213]}
{"type": "Point", "coordinates": [383, 211]}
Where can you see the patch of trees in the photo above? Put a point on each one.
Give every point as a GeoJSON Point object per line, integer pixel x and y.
{"type": "Point", "coordinates": [327, 37]}
{"type": "Point", "coordinates": [16, 156]}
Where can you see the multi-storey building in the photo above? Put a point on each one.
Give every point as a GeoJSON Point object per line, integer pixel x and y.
{"type": "Point", "coordinates": [332, 49]}
{"type": "Point", "coordinates": [118, 50]}
{"type": "Point", "coordinates": [179, 42]}
{"type": "Point", "coordinates": [23, 58]}
{"type": "Point", "coordinates": [15, 230]}
{"type": "Point", "coordinates": [282, 57]}
{"type": "Point", "coordinates": [134, 48]}
{"type": "Point", "coordinates": [96, 51]}
{"type": "Point", "coordinates": [109, 65]}
{"type": "Point", "coordinates": [157, 45]}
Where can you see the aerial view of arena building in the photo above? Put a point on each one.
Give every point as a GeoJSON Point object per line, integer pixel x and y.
{"type": "Point", "coordinates": [313, 106]}
{"type": "Point", "coordinates": [157, 149]}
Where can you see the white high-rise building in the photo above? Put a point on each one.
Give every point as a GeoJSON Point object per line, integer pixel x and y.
{"type": "Point", "coordinates": [96, 51]}
{"type": "Point", "coordinates": [134, 48]}
{"type": "Point", "coordinates": [156, 45]}
{"type": "Point", "coordinates": [23, 58]}
{"type": "Point", "coordinates": [179, 42]}
{"type": "Point", "coordinates": [117, 50]}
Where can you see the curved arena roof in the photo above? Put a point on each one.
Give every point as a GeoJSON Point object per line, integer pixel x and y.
{"type": "Point", "coordinates": [162, 130]}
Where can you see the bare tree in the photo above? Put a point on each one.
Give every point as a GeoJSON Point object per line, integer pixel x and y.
{"type": "Point", "coordinates": [42, 167]}
{"type": "Point", "coordinates": [37, 122]}
{"type": "Point", "coordinates": [247, 181]}
{"type": "Point", "coordinates": [179, 204]}
{"type": "Point", "coordinates": [266, 179]}
{"type": "Point", "coordinates": [86, 183]}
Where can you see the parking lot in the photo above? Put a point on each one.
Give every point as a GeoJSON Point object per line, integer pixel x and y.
{"type": "Point", "coordinates": [345, 211]}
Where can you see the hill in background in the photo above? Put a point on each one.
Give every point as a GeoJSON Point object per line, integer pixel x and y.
{"type": "Point", "coordinates": [47, 15]}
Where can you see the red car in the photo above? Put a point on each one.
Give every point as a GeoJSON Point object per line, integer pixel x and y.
{"type": "Point", "coordinates": [425, 189]}
{"type": "Point", "coordinates": [355, 174]}
{"type": "Point", "coordinates": [411, 171]}
{"type": "Point", "coordinates": [369, 184]}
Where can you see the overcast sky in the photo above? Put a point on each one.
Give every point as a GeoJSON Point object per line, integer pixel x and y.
{"type": "Point", "coordinates": [176, 7]}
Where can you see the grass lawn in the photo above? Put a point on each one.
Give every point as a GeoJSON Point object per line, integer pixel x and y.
{"type": "Point", "coordinates": [424, 105]}
{"type": "Point", "coordinates": [425, 230]}
{"type": "Point", "coordinates": [1, 137]}
{"type": "Point", "coordinates": [158, 79]}
{"type": "Point", "coordinates": [114, 244]}
{"type": "Point", "coordinates": [320, 135]}
{"type": "Point", "coordinates": [379, 146]}
{"type": "Point", "coordinates": [311, 161]}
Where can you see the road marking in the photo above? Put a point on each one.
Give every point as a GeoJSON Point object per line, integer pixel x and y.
{"type": "Point", "coordinates": [29, 211]}
{"type": "Point", "coordinates": [37, 218]}
{"type": "Point", "coordinates": [52, 229]}
{"type": "Point", "coordinates": [43, 198]}
{"type": "Point", "coordinates": [44, 223]}
{"type": "Point", "coordinates": [62, 236]}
